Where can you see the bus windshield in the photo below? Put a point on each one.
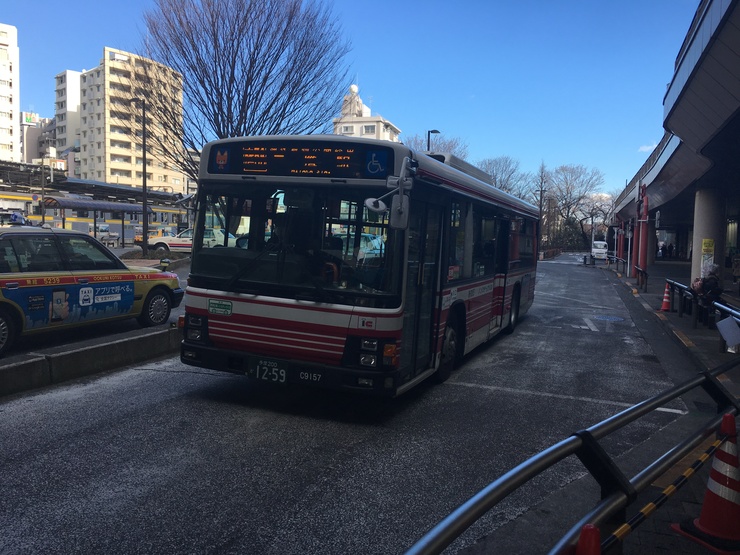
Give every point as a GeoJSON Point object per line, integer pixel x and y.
{"type": "Point", "coordinates": [307, 243]}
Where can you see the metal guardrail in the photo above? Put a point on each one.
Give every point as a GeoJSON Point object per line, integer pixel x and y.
{"type": "Point", "coordinates": [686, 294]}
{"type": "Point", "coordinates": [617, 491]}
{"type": "Point", "coordinates": [726, 310]}
{"type": "Point", "coordinates": [642, 278]}
{"type": "Point", "coordinates": [618, 262]}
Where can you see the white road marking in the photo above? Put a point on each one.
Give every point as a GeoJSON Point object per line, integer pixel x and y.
{"type": "Point", "coordinates": [559, 396]}
{"type": "Point", "coordinates": [590, 325]}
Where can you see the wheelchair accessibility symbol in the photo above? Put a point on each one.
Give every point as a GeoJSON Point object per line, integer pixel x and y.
{"type": "Point", "coordinates": [376, 163]}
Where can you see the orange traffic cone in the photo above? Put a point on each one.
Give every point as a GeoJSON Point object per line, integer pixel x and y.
{"type": "Point", "coordinates": [666, 300]}
{"type": "Point", "coordinates": [717, 528]}
{"type": "Point", "coordinates": [589, 542]}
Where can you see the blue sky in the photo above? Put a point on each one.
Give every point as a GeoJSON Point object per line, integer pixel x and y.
{"type": "Point", "coordinates": [559, 82]}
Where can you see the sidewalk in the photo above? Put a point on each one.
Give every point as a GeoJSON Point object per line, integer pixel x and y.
{"type": "Point", "coordinates": [702, 345]}
{"type": "Point", "coordinates": [543, 525]}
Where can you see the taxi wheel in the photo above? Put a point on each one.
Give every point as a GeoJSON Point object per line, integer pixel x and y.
{"type": "Point", "coordinates": [157, 307]}
{"type": "Point", "coordinates": [7, 331]}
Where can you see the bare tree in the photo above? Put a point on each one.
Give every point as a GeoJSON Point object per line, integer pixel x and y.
{"type": "Point", "coordinates": [439, 143]}
{"type": "Point", "coordinates": [540, 184]}
{"type": "Point", "coordinates": [506, 175]}
{"type": "Point", "coordinates": [572, 187]}
{"type": "Point", "coordinates": [248, 67]}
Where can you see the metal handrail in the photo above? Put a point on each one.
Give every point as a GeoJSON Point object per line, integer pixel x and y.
{"type": "Point", "coordinates": [642, 278]}
{"type": "Point", "coordinates": [618, 261]}
{"type": "Point", "coordinates": [617, 491]}
{"type": "Point", "coordinates": [726, 310]}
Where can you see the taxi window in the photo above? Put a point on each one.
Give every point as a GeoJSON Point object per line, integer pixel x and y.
{"type": "Point", "coordinates": [8, 260]}
{"type": "Point", "coordinates": [83, 254]}
{"type": "Point", "coordinates": [37, 254]}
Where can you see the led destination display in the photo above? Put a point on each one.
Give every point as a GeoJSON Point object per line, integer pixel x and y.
{"type": "Point", "coordinates": [301, 159]}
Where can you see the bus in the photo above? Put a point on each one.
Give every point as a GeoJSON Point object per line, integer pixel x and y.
{"type": "Point", "coordinates": [359, 265]}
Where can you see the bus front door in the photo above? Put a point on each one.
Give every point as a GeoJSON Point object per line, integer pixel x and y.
{"type": "Point", "coordinates": [423, 250]}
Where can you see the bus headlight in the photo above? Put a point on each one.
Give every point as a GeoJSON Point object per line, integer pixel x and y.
{"type": "Point", "coordinates": [196, 327]}
{"type": "Point", "coordinates": [194, 334]}
{"type": "Point", "coordinates": [369, 360]}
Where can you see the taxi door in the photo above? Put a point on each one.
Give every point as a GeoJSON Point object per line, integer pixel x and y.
{"type": "Point", "coordinates": [36, 280]}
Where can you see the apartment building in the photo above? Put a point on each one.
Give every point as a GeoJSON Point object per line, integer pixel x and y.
{"type": "Point", "coordinates": [357, 120]}
{"type": "Point", "coordinates": [37, 138]}
{"type": "Point", "coordinates": [10, 95]}
{"type": "Point", "coordinates": [111, 122]}
{"type": "Point", "coordinates": [67, 118]}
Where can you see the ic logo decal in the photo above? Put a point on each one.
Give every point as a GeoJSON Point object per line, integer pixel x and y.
{"type": "Point", "coordinates": [367, 323]}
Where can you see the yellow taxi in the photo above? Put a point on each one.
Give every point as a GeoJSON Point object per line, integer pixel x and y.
{"type": "Point", "coordinates": [60, 278]}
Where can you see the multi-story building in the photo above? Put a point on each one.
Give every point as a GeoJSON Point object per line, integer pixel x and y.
{"type": "Point", "coordinates": [37, 137]}
{"type": "Point", "coordinates": [111, 116]}
{"type": "Point", "coordinates": [67, 116]}
{"type": "Point", "coordinates": [357, 120]}
{"type": "Point", "coordinates": [10, 94]}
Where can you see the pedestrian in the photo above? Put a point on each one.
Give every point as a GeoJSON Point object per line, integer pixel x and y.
{"type": "Point", "coordinates": [670, 250]}
{"type": "Point", "coordinates": [709, 288]}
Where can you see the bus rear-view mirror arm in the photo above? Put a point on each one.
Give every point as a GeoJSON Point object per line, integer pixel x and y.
{"type": "Point", "coordinates": [399, 217]}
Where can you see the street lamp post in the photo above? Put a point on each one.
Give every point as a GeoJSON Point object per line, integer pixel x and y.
{"type": "Point", "coordinates": [145, 215]}
{"type": "Point", "coordinates": [429, 138]}
{"type": "Point", "coordinates": [44, 156]}
{"type": "Point", "coordinates": [542, 196]}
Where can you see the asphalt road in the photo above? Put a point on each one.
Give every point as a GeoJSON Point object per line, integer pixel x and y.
{"type": "Point", "coordinates": [165, 458]}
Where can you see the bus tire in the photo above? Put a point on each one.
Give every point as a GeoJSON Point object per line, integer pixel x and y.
{"type": "Point", "coordinates": [514, 313]}
{"type": "Point", "coordinates": [8, 331]}
{"type": "Point", "coordinates": [156, 309]}
{"type": "Point", "coordinates": [449, 354]}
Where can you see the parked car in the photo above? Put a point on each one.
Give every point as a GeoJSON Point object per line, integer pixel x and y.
{"type": "Point", "coordinates": [104, 234]}
{"type": "Point", "coordinates": [183, 242]}
{"type": "Point", "coordinates": [52, 278]}
{"type": "Point", "coordinates": [153, 233]}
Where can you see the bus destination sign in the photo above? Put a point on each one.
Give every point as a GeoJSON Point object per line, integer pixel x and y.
{"type": "Point", "coordinates": [302, 159]}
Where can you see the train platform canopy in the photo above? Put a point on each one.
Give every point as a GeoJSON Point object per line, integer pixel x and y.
{"type": "Point", "coordinates": [121, 192]}
{"type": "Point", "coordinates": [81, 202]}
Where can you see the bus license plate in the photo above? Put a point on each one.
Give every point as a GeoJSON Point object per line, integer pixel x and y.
{"type": "Point", "coordinates": [267, 370]}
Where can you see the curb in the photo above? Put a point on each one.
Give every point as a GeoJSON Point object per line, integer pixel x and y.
{"type": "Point", "coordinates": [59, 364]}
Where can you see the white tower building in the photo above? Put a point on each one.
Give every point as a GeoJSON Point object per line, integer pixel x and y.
{"type": "Point", "coordinates": [357, 121]}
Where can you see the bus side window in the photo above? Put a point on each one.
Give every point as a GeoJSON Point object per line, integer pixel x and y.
{"type": "Point", "coordinates": [456, 245]}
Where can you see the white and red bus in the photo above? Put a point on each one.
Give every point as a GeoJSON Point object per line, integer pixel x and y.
{"type": "Point", "coordinates": [359, 264]}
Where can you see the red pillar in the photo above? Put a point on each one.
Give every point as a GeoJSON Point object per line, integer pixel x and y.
{"type": "Point", "coordinates": [644, 230]}
{"type": "Point", "coordinates": [635, 248]}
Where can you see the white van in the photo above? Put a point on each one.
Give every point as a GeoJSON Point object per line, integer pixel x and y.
{"type": "Point", "coordinates": [599, 250]}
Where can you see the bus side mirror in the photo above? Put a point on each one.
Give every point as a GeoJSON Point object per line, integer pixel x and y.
{"type": "Point", "coordinates": [399, 212]}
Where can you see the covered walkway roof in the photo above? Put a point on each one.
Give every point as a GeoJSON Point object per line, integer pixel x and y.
{"type": "Point", "coordinates": [86, 203]}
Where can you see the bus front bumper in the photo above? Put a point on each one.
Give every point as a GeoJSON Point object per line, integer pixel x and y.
{"type": "Point", "coordinates": [282, 373]}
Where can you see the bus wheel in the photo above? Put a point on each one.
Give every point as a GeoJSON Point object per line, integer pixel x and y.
{"type": "Point", "coordinates": [7, 331]}
{"type": "Point", "coordinates": [449, 354]}
{"type": "Point", "coordinates": [156, 309]}
{"type": "Point", "coordinates": [514, 314]}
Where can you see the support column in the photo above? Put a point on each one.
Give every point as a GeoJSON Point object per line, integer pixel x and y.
{"type": "Point", "coordinates": [652, 240]}
{"type": "Point", "coordinates": [710, 222]}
